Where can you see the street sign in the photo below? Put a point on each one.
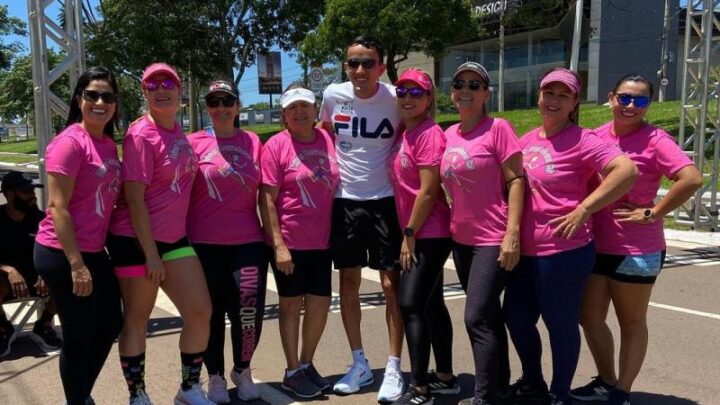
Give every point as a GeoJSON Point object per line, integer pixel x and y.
{"type": "Point", "coordinates": [316, 78]}
{"type": "Point", "coordinates": [664, 81]}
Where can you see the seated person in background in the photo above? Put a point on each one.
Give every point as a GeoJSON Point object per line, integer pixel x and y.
{"type": "Point", "coordinates": [19, 220]}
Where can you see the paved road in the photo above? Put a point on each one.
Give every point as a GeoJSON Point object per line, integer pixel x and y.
{"type": "Point", "coordinates": [681, 366]}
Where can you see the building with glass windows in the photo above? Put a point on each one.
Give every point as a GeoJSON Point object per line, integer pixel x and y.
{"type": "Point", "coordinates": [618, 37]}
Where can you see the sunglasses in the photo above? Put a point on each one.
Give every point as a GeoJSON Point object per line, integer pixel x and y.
{"type": "Point", "coordinates": [367, 64]}
{"type": "Point", "coordinates": [213, 102]}
{"type": "Point", "coordinates": [154, 84]}
{"type": "Point", "coordinates": [473, 85]}
{"type": "Point", "coordinates": [93, 96]}
{"type": "Point", "coordinates": [639, 101]}
{"type": "Point", "coordinates": [414, 92]}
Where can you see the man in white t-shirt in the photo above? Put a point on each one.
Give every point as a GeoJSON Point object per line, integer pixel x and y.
{"type": "Point", "coordinates": [363, 115]}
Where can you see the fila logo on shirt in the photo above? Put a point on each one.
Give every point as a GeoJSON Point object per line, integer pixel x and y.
{"type": "Point", "coordinates": [358, 127]}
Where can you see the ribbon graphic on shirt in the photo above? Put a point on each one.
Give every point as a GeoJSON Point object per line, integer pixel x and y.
{"type": "Point", "coordinates": [457, 160]}
{"type": "Point", "coordinates": [318, 172]}
{"type": "Point", "coordinates": [113, 186]}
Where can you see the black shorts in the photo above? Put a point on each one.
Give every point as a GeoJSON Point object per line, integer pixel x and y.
{"type": "Point", "coordinates": [615, 267]}
{"type": "Point", "coordinates": [365, 233]}
{"type": "Point", "coordinates": [217, 260]}
{"type": "Point", "coordinates": [311, 274]}
{"type": "Point", "coordinates": [128, 258]}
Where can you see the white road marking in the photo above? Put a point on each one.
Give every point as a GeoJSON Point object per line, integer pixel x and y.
{"type": "Point", "coordinates": [685, 310]}
{"type": "Point", "coordinates": [691, 260]}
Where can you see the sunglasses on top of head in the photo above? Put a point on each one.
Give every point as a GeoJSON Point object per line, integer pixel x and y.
{"type": "Point", "coordinates": [367, 64]}
{"type": "Point", "coordinates": [227, 101]}
{"type": "Point", "coordinates": [154, 84]}
{"type": "Point", "coordinates": [93, 96]}
{"type": "Point", "coordinates": [639, 101]}
{"type": "Point", "coordinates": [473, 85]}
{"type": "Point", "coordinates": [414, 92]}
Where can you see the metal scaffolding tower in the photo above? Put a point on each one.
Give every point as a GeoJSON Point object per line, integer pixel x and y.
{"type": "Point", "coordinates": [70, 40]}
{"type": "Point", "coordinates": [701, 111]}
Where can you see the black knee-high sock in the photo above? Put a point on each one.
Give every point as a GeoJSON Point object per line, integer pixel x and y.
{"type": "Point", "coordinates": [133, 368]}
{"type": "Point", "coordinates": [191, 366]}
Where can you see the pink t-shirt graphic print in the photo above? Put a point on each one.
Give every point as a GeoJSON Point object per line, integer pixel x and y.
{"type": "Point", "coordinates": [94, 165]}
{"type": "Point", "coordinates": [558, 169]}
{"type": "Point", "coordinates": [471, 172]}
{"type": "Point", "coordinates": [421, 146]}
{"type": "Point", "coordinates": [306, 175]}
{"type": "Point", "coordinates": [223, 205]}
{"type": "Point", "coordinates": [655, 154]}
{"type": "Point", "coordinates": [163, 160]}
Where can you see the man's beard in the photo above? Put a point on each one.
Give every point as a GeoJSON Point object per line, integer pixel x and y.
{"type": "Point", "coordinates": [25, 206]}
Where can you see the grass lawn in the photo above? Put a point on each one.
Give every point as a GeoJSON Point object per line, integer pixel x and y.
{"type": "Point", "coordinates": [665, 115]}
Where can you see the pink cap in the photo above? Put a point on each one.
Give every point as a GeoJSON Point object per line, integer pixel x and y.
{"type": "Point", "coordinates": [564, 76]}
{"type": "Point", "coordinates": [416, 76]}
{"type": "Point", "coordinates": [160, 67]}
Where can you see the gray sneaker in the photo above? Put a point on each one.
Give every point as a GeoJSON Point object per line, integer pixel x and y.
{"type": "Point", "coordinates": [320, 381]}
{"type": "Point", "coordinates": [300, 385]}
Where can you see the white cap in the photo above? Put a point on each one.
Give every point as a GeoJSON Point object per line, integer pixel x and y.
{"type": "Point", "coordinates": [297, 94]}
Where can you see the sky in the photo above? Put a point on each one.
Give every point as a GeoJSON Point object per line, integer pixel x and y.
{"type": "Point", "coordinates": [248, 86]}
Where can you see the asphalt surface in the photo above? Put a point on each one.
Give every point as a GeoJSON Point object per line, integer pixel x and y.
{"type": "Point", "coordinates": [681, 366]}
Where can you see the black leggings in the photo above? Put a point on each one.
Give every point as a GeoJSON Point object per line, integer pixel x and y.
{"type": "Point", "coordinates": [237, 278]}
{"type": "Point", "coordinates": [427, 320]}
{"type": "Point", "coordinates": [483, 281]}
{"type": "Point", "coordinates": [89, 324]}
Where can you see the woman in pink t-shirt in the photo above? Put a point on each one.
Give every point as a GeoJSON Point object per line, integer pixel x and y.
{"type": "Point", "coordinates": [224, 229]}
{"type": "Point", "coordinates": [555, 235]}
{"type": "Point", "coordinates": [299, 178]}
{"type": "Point", "coordinates": [483, 175]}
{"type": "Point", "coordinates": [629, 240]}
{"type": "Point", "coordinates": [424, 216]}
{"type": "Point", "coordinates": [83, 183]}
{"type": "Point", "coordinates": [148, 244]}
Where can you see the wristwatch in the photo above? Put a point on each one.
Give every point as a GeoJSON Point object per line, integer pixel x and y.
{"type": "Point", "coordinates": [409, 232]}
{"type": "Point", "coordinates": [648, 214]}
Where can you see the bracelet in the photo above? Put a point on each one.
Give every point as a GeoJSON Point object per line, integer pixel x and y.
{"type": "Point", "coordinates": [522, 176]}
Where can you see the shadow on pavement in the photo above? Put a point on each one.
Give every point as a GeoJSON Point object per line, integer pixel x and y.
{"type": "Point", "coordinates": [25, 347]}
{"type": "Point", "coordinates": [687, 256]}
{"type": "Point", "coordinates": [640, 398]}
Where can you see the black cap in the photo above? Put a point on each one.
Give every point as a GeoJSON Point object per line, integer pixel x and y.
{"type": "Point", "coordinates": [15, 180]}
{"type": "Point", "coordinates": [223, 87]}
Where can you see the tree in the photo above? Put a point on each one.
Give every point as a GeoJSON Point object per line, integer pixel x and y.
{"type": "Point", "coordinates": [204, 39]}
{"type": "Point", "coordinates": [402, 26]}
{"type": "Point", "coordinates": [220, 37]}
{"type": "Point", "coordinates": [9, 26]}
{"type": "Point", "coordinates": [16, 86]}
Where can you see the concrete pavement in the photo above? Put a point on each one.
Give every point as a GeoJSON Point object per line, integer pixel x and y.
{"type": "Point", "coordinates": [681, 365]}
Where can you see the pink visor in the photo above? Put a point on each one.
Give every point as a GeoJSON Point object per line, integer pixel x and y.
{"type": "Point", "coordinates": [564, 76]}
{"type": "Point", "coordinates": [160, 67]}
{"type": "Point", "coordinates": [416, 76]}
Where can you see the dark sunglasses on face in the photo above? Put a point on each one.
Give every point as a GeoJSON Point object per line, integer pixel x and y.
{"type": "Point", "coordinates": [153, 84]}
{"type": "Point", "coordinates": [367, 64]}
{"type": "Point", "coordinates": [213, 102]}
{"type": "Point", "coordinates": [414, 92]}
{"type": "Point", "coordinates": [473, 85]}
{"type": "Point", "coordinates": [639, 101]}
{"type": "Point", "coordinates": [93, 96]}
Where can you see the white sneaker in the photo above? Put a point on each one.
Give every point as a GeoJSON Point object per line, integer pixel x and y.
{"type": "Point", "coordinates": [194, 396]}
{"type": "Point", "coordinates": [217, 390]}
{"type": "Point", "coordinates": [392, 386]}
{"type": "Point", "coordinates": [141, 398]}
{"type": "Point", "coordinates": [247, 390]}
{"type": "Point", "coordinates": [359, 375]}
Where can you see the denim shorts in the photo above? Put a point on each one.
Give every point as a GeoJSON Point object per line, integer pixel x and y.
{"type": "Point", "coordinates": [640, 269]}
